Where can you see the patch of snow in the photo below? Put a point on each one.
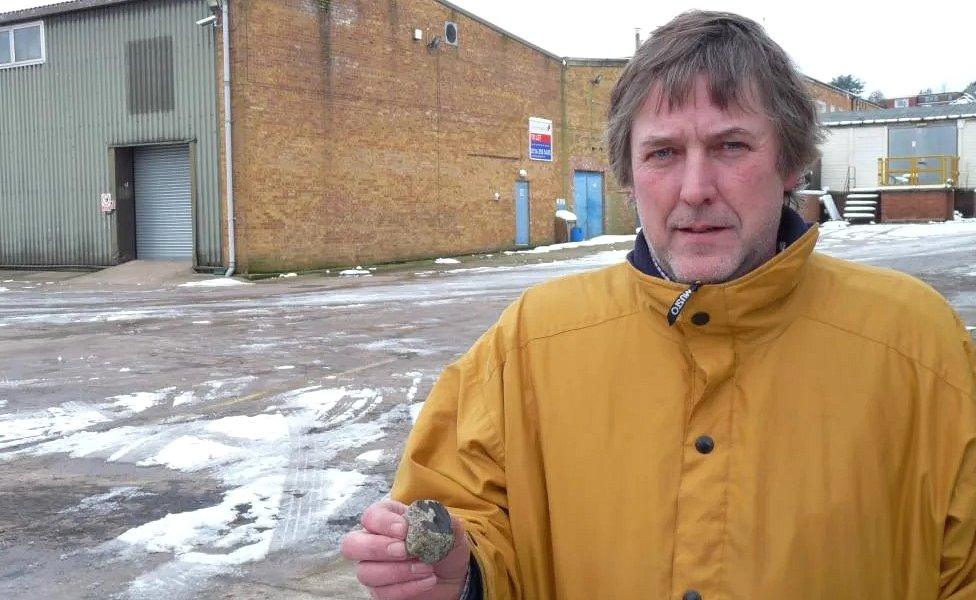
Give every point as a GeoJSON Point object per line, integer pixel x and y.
{"type": "Point", "coordinates": [565, 215]}
{"type": "Point", "coordinates": [188, 453]}
{"type": "Point", "coordinates": [218, 282]}
{"type": "Point", "coordinates": [93, 443]}
{"type": "Point", "coordinates": [285, 367]}
{"type": "Point", "coordinates": [3, 403]}
{"type": "Point", "coordinates": [371, 456]}
{"type": "Point", "coordinates": [138, 401]}
{"type": "Point", "coordinates": [201, 322]}
{"type": "Point", "coordinates": [602, 240]}
{"type": "Point", "coordinates": [316, 398]}
{"type": "Point", "coordinates": [245, 520]}
{"type": "Point", "coordinates": [124, 370]}
{"type": "Point", "coordinates": [285, 275]}
{"type": "Point", "coordinates": [357, 271]}
{"type": "Point", "coordinates": [413, 345]}
{"type": "Point", "coordinates": [834, 225]}
{"type": "Point", "coordinates": [3, 289]}
{"type": "Point", "coordinates": [107, 503]}
{"type": "Point", "coordinates": [412, 392]}
{"type": "Point", "coordinates": [17, 429]}
{"type": "Point", "coordinates": [259, 427]}
{"type": "Point", "coordinates": [447, 261]}
{"type": "Point", "coordinates": [415, 411]}
{"type": "Point", "coordinates": [16, 383]}
{"type": "Point", "coordinates": [183, 398]}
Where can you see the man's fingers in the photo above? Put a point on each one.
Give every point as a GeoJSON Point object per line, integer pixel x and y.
{"type": "Point", "coordinates": [401, 591]}
{"type": "Point", "coordinates": [381, 574]}
{"type": "Point", "coordinates": [362, 545]}
{"type": "Point", "coordinates": [386, 518]}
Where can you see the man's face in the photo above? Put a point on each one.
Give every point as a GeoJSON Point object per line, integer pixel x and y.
{"type": "Point", "coordinates": [707, 186]}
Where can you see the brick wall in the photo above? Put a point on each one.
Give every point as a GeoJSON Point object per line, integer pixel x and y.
{"type": "Point", "coordinates": [587, 84]}
{"type": "Point", "coordinates": [354, 143]}
{"type": "Point", "coordinates": [917, 205]}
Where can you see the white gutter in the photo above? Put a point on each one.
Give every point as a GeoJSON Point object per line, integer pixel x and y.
{"type": "Point", "coordinates": [228, 146]}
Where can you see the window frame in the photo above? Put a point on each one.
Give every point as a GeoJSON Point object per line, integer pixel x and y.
{"type": "Point", "coordinates": [9, 29]}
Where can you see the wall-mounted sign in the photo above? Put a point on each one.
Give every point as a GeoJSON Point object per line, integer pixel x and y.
{"type": "Point", "coordinates": [108, 203]}
{"type": "Point", "coordinates": [540, 139]}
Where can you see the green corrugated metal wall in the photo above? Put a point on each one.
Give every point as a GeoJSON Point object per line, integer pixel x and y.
{"type": "Point", "coordinates": [58, 121]}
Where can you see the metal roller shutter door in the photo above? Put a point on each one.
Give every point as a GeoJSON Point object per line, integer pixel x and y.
{"type": "Point", "coordinates": [164, 214]}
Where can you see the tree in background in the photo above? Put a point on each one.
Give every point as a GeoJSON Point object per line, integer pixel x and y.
{"type": "Point", "coordinates": [848, 82]}
{"type": "Point", "coordinates": [971, 88]}
{"type": "Point", "coordinates": [877, 96]}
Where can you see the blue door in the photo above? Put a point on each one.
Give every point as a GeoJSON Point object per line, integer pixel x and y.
{"type": "Point", "coordinates": [588, 193]}
{"type": "Point", "coordinates": [521, 213]}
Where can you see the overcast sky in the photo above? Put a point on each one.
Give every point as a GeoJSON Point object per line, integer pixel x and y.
{"type": "Point", "coordinates": [898, 50]}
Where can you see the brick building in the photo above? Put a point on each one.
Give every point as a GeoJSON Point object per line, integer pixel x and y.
{"type": "Point", "coordinates": [368, 134]}
{"type": "Point", "coordinates": [834, 99]}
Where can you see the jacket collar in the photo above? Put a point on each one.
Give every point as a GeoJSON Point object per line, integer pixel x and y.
{"type": "Point", "coordinates": [755, 304]}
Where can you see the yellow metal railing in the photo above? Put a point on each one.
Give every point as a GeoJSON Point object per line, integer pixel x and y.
{"type": "Point", "coordinates": [935, 169]}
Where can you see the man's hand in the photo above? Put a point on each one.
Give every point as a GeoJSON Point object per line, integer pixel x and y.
{"type": "Point", "coordinates": [386, 569]}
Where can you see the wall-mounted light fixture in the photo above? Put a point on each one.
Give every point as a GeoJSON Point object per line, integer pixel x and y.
{"type": "Point", "coordinates": [523, 173]}
{"type": "Point", "coordinates": [498, 196]}
{"type": "Point", "coordinates": [434, 43]}
{"type": "Point", "coordinates": [596, 80]}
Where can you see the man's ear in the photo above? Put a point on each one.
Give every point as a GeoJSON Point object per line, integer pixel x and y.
{"type": "Point", "coordinates": [794, 180]}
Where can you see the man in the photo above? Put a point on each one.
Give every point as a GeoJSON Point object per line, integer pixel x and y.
{"type": "Point", "coordinates": [728, 414]}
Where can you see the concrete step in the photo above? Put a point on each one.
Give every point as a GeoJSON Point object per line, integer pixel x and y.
{"type": "Point", "coordinates": [860, 203]}
{"type": "Point", "coordinates": [141, 272]}
{"type": "Point", "coordinates": [849, 196]}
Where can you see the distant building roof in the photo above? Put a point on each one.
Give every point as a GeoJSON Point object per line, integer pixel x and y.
{"type": "Point", "coordinates": [898, 115]}
{"type": "Point", "coordinates": [39, 12]}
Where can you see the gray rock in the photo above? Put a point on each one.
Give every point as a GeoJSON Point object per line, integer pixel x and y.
{"type": "Point", "coordinates": [429, 533]}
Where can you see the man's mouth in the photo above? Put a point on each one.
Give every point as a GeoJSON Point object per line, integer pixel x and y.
{"type": "Point", "coordinates": [701, 229]}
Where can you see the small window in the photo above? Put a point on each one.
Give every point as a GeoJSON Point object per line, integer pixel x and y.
{"type": "Point", "coordinates": [451, 33]}
{"type": "Point", "coordinates": [22, 45]}
{"type": "Point", "coordinates": [901, 103]}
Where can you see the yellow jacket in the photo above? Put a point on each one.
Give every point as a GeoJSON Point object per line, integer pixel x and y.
{"type": "Point", "coordinates": [839, 400]}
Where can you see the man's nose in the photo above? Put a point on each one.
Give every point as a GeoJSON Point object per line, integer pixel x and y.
{"type": "Point", "coordinates": [698, 179]}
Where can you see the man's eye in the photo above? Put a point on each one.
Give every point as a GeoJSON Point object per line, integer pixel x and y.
{"type": "Point", "coordinates": [661, 153]}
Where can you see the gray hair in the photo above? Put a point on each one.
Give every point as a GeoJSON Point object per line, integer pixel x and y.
{"type": "Point", "coordinates": [739, 62]}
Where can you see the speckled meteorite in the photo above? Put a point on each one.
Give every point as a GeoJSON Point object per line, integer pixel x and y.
{"type": "Point", "coordinates": [430, 536]}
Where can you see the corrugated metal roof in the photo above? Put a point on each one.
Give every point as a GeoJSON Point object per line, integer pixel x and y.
{"type": "Point", "coordinates": [39, 12]}
{"type": "Point", "coordinates": [896, 115]}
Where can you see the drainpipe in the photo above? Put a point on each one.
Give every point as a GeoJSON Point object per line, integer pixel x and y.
{"type": "Point", "coordinates": [228, 146]}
